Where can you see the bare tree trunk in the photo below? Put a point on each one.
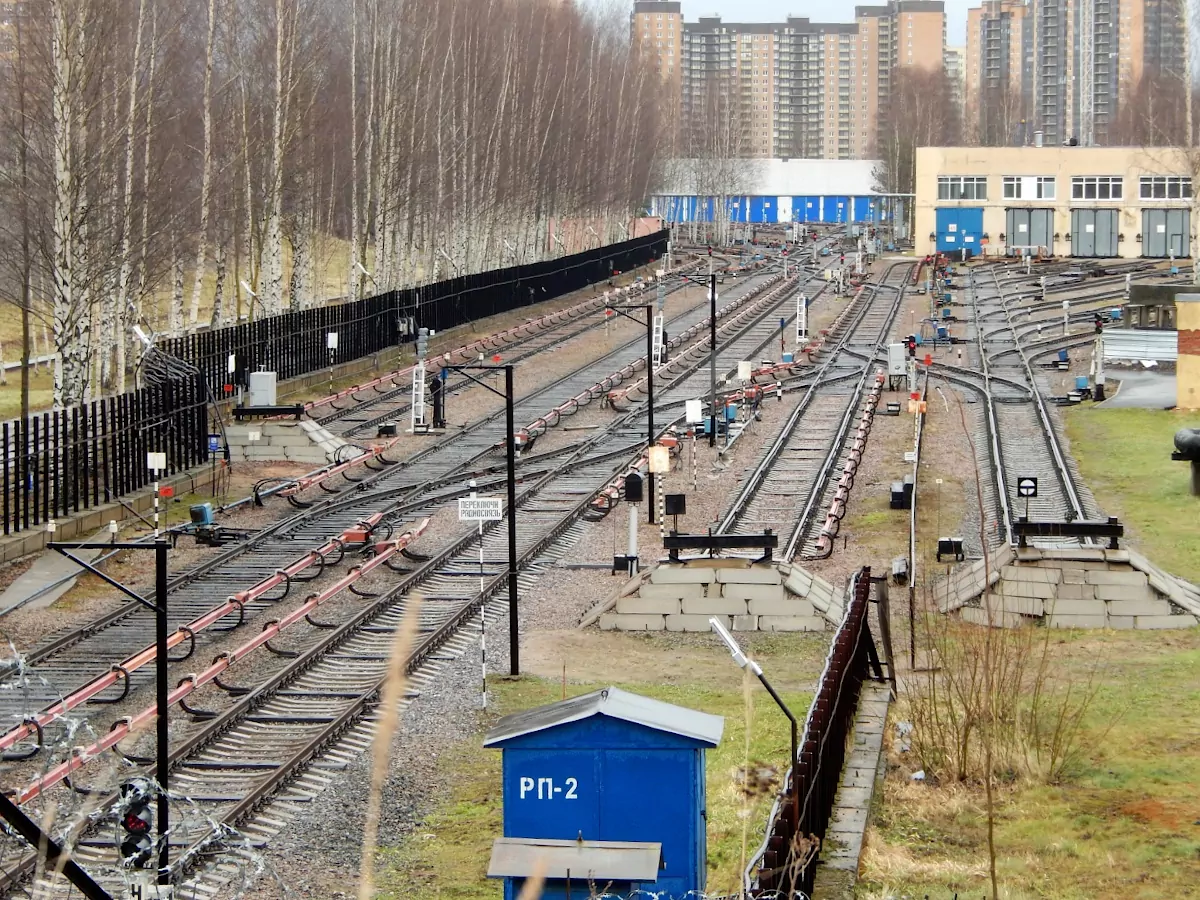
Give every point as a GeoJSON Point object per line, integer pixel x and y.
{"type": "Point", "coordinates": [70, 322]}
{"type": "Point", "coordinates": [271, 289]}
{"type": "Point", "coordinates": [206, 177]}
{"type": "Point", "coordinates": [218, 312]}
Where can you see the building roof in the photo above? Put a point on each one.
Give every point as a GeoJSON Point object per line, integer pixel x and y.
{"type": "Point", "coordinates": [585, 860]}
{"type": "Point", "coordinates": [616, 704]}
{"type": "Point", "coordinates": [768, 177]}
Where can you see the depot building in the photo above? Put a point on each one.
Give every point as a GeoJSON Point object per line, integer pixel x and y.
{"type": "Point", "coordinates": [1098, 202]}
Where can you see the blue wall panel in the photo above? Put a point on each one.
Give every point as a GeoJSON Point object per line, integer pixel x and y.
{"type": "Point", "coordinates": [959, 228]}
{"type": "Point", "coordinates": [806, 209]}
{"type": "Point", "coordinates": [864, 209]}
{"type": "Point", "coordinates": [836, 209]}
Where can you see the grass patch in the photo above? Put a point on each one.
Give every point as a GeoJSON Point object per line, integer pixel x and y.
{"type": "Point", "coordinates": [1125, 457]}
{"type": "Point", "coordinates": [447, 858]}
{"type": "Point", "coordinates": [1125, 824]}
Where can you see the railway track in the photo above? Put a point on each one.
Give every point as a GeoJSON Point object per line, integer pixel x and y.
{"type": "Point", "coordinates": [282, 548]}
{"type": "Point", "coordinates": [303, 529]}
{"type": "Point", "coordinates": [1020, 435]}
{"type": "Point", "coordinates": [793, 476]}
{"type": "Point", "coordinates": [361, 416]}
{"type": "Point", "coordinates": [292, 717]}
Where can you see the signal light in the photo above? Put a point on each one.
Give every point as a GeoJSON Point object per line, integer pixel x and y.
{"type": "Point", "coordinates": [137, 845]}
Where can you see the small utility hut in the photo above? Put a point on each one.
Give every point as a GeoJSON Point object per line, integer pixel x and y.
{"type": "Point", "coordinates": [598, 786]}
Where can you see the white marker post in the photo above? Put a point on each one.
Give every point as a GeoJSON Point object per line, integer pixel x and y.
{"type": "Point", "coordinates": [694, 415]}
{"type": "Point", "coordinates": [659, 463]}
{"type": "Point", "coordinates": [156, 463]}
{"type": "Point", "coordinates": [331, 342]}
{"type": "Point", "coordinates": [801, 321]}
{"type": "Point", "coordinates": [481, 509]}
{"type": "Point", "coordinates": [1066, 317]}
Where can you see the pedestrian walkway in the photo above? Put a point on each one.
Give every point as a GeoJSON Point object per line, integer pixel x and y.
{"type": "Point", "coordinates": [50, 576]}
{"type": "Point", "coordinates": [852, 807]}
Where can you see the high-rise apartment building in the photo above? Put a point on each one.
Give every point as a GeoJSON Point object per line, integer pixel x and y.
{"type": "Point", "coordinates": [795, 88]}
{"type": "Point", "coordinates": [954, 61]}
{"type": "Point", "coordinates": [1063, 67]}
{"type": "Point", "coordinates": [998, 72]}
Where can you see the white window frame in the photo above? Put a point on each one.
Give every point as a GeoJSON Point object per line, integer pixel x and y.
{"type": "Point", "coordinates": [967, 187]}
{"type": "Point", "coordinates": [1103, 188]}
{"type": "Point", "coordinates": [1165, 187]}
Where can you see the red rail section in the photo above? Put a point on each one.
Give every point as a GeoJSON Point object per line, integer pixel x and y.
{"type": "Point", "coordinates": [622, 396]}
{"type": "Point", "coordinates": [80, 756]}
{"type": "Point", "coordinates": [837, 507]}
{"type": "Point", "coordinates": [358, 535]}
{"type": "Point", "coordinates": [470, 352]}
{"type": "Point", "coordinates": [303, 484]}
{"type": "Point", "coordinates": [542, 423]}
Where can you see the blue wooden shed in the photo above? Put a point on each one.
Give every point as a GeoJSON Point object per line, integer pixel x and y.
{"type": "Point", "coordinates": [610, 766]}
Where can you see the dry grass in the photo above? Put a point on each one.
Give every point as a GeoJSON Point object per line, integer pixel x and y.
{"type": "Point", "coordinates": [1122, 823]}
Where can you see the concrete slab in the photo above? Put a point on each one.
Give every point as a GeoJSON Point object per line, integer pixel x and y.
{"type": "Point", "coordinates": [1065, 607]}
{"type": "Point", "coordinates": [695, 623]}
{"type": "Point", "coordinates": [616, 622]}
{"type": "Point", "coordinates": [791, 623]}
{"type": "Point", "coordinates": [745, 623]}
{"type": "Point", "coordinates": [48, 569]}
{"type": "Point", "coordinates": [647, 606]}
{"type": "Point", "coordinates": [683, 575]}
{"type": "Point", "coordinates": [672, 591]}
{"type": "Point", "coordinates": [787, 607]}
{"type": "Point", "coordinates": [754, 592]}
{"type": "Point", "coordinates": [1139, 608]}
{"type": "Point", "coordinates": [1130, 577]}
{"type": "Point", "coordinates": [1155, 622]}
{"type": "Point", "coordinates": [752, 575]}
{"type": "Point", "coordinates": [1076, 621]}
{"type": "Point", "coordinates": [714, 606]}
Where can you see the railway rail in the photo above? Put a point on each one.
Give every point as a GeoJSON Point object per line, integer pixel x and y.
{"type": "Point", "coordinates": [794, 473]}
{"type": "Point", "coordinates": [444, 464]}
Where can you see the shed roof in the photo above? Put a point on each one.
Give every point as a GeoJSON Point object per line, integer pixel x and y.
{"type": "Point", "coordinates": [618, 860]}
{"type": "Point", "coordinates": [767, 177]}
{"type": "Point", "coordinates": [614, 703]}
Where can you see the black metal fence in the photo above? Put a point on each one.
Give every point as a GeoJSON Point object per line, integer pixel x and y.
{"type": "Point", "coordinates": [789, 861]}
{"type": "Point", "coordinates": [62, 462]}
{"type": "Point", "coordinates": [59, 463]}
{"type": "Point", "coordinates": [296, 343]}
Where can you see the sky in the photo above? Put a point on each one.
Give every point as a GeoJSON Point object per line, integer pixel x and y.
{"type": "Point", "coordinates": [818, 11]}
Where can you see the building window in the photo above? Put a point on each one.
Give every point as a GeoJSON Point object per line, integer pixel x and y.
{"type": "Point", "coordinates": [1097, 187]}
{"type": "Point", "coordinates": [1165, 187]}
{"type": "Point", "coordinates": [962, 187]}
{"type": "Point", "coordinates": [1017, 187]}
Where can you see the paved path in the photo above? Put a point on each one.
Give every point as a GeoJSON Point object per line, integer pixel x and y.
{"type": "Point", "coordinates": [50, 568]}
{"type": "Point", "coordinates": [852, 808]}
{"type": "Point", "coordinates": [1148, 389]}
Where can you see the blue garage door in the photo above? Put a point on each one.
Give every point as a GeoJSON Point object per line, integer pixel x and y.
{"type": "Point", "coordinates": [837, 210]}
{"type": "Point", "coordinates": [959, 228]}
{"type": "Point", "coordinates": [735, 209]}
{"type": "Point", "coordinates": [704, 209]}
{"type": "Point", "coordinates": [864, 209]}
{"type": "Point", "coordinates": [758, 209]}
{"type": "Point", "coordinates": [806, 209]}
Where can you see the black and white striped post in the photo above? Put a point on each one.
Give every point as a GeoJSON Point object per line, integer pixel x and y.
{"type": "Point", "coordinates": [156, 463]}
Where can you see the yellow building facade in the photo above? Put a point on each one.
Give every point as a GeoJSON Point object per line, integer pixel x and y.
{"type": "Point", "coordinates": [1099, 202]}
